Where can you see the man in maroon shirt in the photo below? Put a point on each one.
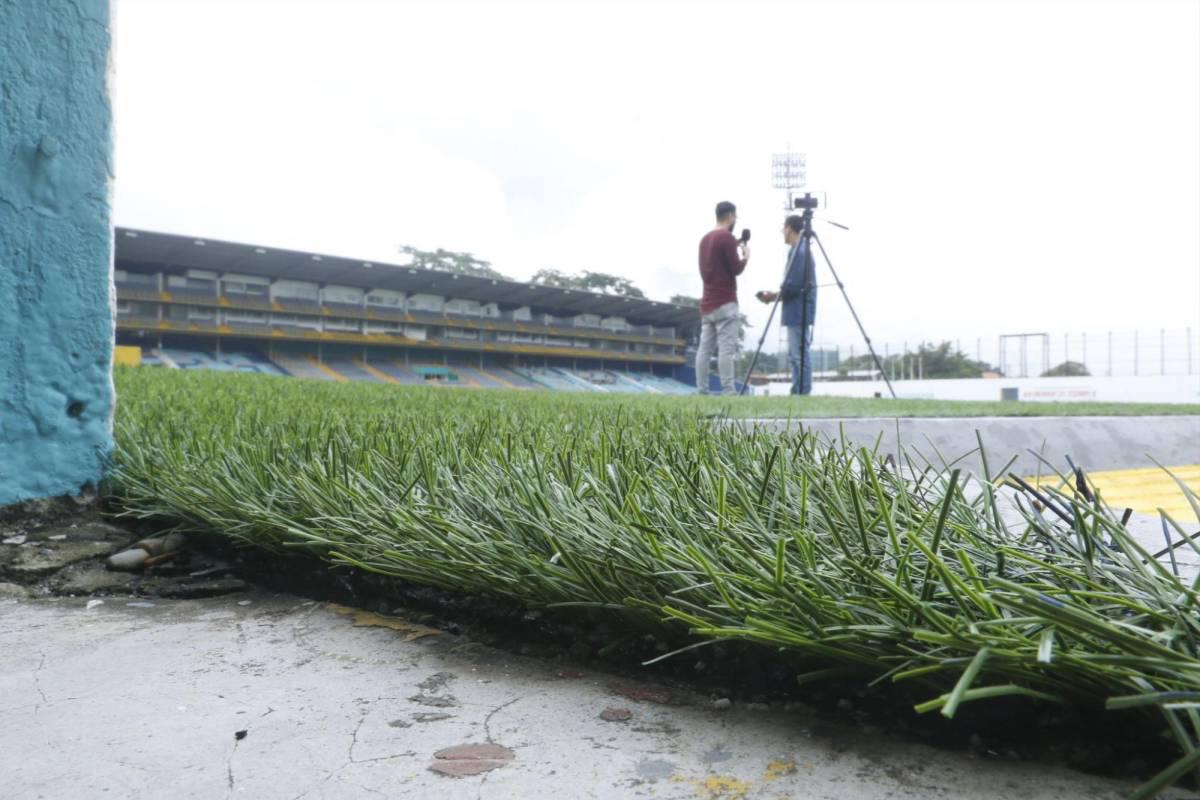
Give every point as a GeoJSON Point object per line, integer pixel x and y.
{"type": "Point", "coordinates": [720, 264]}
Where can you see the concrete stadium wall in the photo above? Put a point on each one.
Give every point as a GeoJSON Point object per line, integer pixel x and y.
{"type": "Point", "coordinates": [1101, 389]}
{"type": "Point", "coordinates": [56, 301]}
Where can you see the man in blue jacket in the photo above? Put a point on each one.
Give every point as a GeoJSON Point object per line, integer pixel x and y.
{"type": "Point", "coordinates": [799, 302]}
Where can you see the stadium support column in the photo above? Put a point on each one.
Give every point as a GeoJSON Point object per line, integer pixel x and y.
{"type": "Point", "coordinates": [56, 279]}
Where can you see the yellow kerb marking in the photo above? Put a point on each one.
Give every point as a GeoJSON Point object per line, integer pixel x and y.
{"type": "Point", "coordinates": [498, 379]}
{"type": "Point", "coordinates": [717, 787]}
{"type": "Point", "coordinates": [779, 769]}
{"type": "Point", "coordinates": [1144, 490]}
{"type": "Point", "coordinates": [368, 619]}
{"type": "Point", "coordinates": [328, 370]}
{"type": "Point", "coordinates": [383, 376]}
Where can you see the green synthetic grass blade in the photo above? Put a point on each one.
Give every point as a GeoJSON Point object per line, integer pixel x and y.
{"type": "Point", "coordinates": [964, 683]}
{"type": "Point", "coordinates": [988, 692]}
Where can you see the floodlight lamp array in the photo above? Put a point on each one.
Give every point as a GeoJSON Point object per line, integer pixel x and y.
{"type": "Point", "coordinates": [789, 170]}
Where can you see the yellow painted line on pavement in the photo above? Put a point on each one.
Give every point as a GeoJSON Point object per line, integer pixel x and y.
{"type": "Point", "coordinates": [375, 373]}
{"type": "Point", "coordinates": [328, 370]}
{"type": "Point", "coordinates": [1145, 490]}
{"type": "Point", "coordinates": [499, 380]}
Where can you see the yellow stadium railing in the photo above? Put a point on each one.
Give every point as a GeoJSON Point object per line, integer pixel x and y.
{"type": "Point", "coordinates": [391, 340]}
{"type": "Point", "coordinates": [230, 302]}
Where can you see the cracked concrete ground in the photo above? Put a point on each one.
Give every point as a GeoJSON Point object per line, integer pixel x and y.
{"type": "Point", "coordinates": [284, 698]}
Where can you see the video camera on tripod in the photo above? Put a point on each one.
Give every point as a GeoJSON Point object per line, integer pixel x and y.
{"type": "Point", "coordinates": [808, 202]}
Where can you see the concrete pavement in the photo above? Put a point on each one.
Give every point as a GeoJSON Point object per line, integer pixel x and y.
{"type": "Point", "coordinates": [1093, 443]}
{"type": "Point", "coordinates": [262, 696]}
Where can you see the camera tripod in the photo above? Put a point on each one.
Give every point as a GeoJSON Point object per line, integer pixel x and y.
{"type": "Point", "coordinates": [802, 255]}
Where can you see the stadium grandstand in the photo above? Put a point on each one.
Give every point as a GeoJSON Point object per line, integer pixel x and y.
{"type": "Point", "coordinates": [190, 303]}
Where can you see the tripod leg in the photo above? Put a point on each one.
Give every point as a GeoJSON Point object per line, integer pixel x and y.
{"type": "Point", "coordinates": [804, 288]}
{"type": "Point", "coordinates": [853, 313]}
{"type": "Point", "coordinates": [758, 350]}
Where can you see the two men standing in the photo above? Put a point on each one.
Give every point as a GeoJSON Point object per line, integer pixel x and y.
{"type": "Point", "coordinates": [722, 259]}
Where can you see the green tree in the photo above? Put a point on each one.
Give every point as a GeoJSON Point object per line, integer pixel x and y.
{"type": "Point", "coordinates": [552, 277]}
{"type": "Point", "coordinates": [442, 260]}
{"type": "Point", "coordinates": [936, 361]}
{"type": "Point", "coordinates": [588, 281]}
{"type": "Point", "coordinates": [767, 363]}
{"type": "Point", "coordinates": [1067, 369]}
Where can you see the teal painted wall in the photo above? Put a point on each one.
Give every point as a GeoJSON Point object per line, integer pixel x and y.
{"type": "Point", "coordinates": [56, 317]}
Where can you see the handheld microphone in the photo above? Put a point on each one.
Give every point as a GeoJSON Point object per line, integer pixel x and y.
{"type": "Point", "coordinates": [745, 235]}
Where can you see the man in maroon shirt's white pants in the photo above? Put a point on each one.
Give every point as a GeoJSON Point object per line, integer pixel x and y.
{"type": "Point", "coordinates": [720, 264]}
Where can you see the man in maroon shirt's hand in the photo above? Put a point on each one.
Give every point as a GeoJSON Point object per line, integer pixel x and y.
{"type": "Point", "coordinates": [720, 264]}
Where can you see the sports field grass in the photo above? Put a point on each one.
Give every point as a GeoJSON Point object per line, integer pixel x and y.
{"type": "Point", "coordinates": [642, 509]}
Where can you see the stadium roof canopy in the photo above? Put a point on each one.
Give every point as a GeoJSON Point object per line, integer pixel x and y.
{"type": "Point", "coordinates": [172, 251]}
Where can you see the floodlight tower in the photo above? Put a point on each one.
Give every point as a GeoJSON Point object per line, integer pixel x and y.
{"type": "Point", "coordinates": [789, 171]}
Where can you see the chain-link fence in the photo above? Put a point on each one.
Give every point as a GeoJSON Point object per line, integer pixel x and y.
{"type": "Point", "coordinates": [1027, 354]}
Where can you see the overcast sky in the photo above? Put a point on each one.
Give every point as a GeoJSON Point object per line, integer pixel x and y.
{"type": "Point", "coordinates": [1003, 166]}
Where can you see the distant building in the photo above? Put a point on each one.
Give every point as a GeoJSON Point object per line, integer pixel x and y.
{"type": "Point", "coordinates": [314, 315]}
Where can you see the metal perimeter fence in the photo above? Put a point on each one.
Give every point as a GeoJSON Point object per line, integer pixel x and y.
{"type": "Point", "coordinates": [1027, 354]}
